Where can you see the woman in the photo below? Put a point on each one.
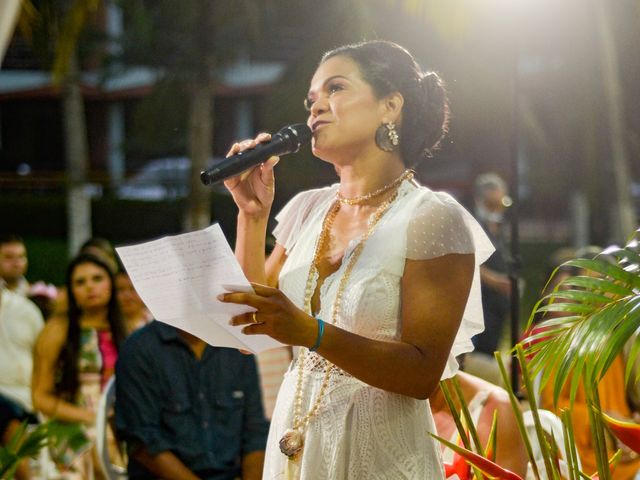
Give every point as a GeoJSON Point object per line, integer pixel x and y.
{"type": "Point", "coordinates": [371, 276]}
{"type": "Point", "coordinates": [75, 355]}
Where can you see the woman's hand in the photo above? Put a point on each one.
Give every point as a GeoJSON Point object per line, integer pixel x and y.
{"type": "Point", "coordinates": [275, 316]}
{"type": "Point", "coordinates": [253, 190]}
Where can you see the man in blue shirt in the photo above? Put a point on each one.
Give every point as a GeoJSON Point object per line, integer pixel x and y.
{"type": "Point", "coordinates": [188, 410]}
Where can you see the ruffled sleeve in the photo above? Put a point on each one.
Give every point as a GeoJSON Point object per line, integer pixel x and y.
{"type": "Point", "coordinates": [291, 219]}
{"type": "Point", "coordinates": [441, 226]}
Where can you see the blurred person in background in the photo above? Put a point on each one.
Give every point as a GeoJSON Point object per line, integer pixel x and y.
{"type": "Point", "coordinates": [135, 313]}
{"type": "Point", "coordinates": [188, 410]}
{"type": "Point", "coordinates": [13, 264]}
{"type": "Point", "coordinates": [13, 268]}
{"type": "Point", "coordinates": [99, 247]}
{"type": "Point", "coordinates": [75, 354]}
{"type": "Point", "coordinates": [20, 324]}
{"type": "Point", "coordinates": [490, 203]}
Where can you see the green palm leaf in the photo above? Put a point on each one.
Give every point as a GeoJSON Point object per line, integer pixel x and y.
{"type": "Point", "coordinates": [582, 296]}
{"type": "Point", "coordinates": [596, 284]}
{"type": "Point", "coordinates": [594, 317]}
{"type": "Point", "coordinates": [607, 270]}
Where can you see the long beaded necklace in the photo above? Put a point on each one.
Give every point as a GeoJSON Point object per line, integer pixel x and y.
{"type": "Point", "coordinates": [292, 442]}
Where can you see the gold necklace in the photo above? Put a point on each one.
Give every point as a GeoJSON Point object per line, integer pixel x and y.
{"type": "Point", "coordinates": [292, 442]}
{"type": "Point", "coordinates": [360, 199]}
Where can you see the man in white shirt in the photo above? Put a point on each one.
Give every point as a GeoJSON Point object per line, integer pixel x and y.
{"type": "Point", "coordinates": [13, 264]}
{"type": "Point", "coordinates": [20, 325]}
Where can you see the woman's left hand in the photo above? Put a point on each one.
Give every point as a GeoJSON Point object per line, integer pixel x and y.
{"type": "Point", "coordinates": [275, 316]}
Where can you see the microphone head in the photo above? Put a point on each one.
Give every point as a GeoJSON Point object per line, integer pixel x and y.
{"type": "Point", "coordinates": [295, 135]}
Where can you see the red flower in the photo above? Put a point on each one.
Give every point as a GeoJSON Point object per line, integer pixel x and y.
{"type": "Point", "coordinates": [627, 432]}
{"type": "Point", "coordinates": [485, 465]}
{"type": "Point", "coordinates": [459, 467]}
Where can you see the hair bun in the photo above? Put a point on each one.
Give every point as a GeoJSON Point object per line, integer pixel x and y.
{"type": "Point", "coordinates": [436, 110]}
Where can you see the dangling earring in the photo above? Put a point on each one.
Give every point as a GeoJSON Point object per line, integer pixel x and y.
{"type": "Point", "coordinates": [387, 137]}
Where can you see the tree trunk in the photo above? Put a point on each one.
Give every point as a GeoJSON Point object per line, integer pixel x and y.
{"type": "Point", "coordinates": [77, 160]}
{"type": "Point", "coordinates": [198, 213]}
{"type": "Point", "coordinates": [624, 219]}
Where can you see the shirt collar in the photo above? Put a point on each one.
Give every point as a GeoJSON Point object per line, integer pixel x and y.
{"type": "Point", "coordinates": [167, 332]}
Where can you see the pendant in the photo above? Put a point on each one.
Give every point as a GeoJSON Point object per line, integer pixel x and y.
{"type": "Point", "coordinates": [292, 442]}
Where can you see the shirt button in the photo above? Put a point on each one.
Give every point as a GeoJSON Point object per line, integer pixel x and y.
{"type": "Point", "coordinates": [201, 396]}
{"type": "Point", "coordinates": [205, 424]}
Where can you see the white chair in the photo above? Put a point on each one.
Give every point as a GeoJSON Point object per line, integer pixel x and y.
{"type": "Point", "coordinates": [103, 416]}
{"type": "Point", "coordinates": [552, 425]}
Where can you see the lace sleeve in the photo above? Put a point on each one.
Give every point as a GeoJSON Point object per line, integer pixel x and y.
{"type": "Point", "coordinates": [293, 215]}
{"type": "Point", "coordinates": [441, 226]}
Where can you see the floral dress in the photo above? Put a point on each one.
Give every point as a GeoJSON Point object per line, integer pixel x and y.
{"type": "Point", "coordinates": [96, 365]}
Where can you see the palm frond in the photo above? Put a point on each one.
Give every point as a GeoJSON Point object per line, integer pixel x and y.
{"type": "Point", "coordinates": [596, 284]}
{"type": "Point", "coordinates": [570, 445]}
{"type": "Point", "coordinates": [22, 444]}
{"type": "Point", "coordinates": [606, 270]}
{"type": "Point", "coordinates": [594, 317]}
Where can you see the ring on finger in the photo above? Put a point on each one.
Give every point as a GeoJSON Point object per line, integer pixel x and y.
{"type": "Point", "coordinates": [254, 318]}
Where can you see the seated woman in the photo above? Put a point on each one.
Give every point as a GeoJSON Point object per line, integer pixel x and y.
{"type": "Point", "coordinates": [75, 355]}
{"type": "Point", "coordinates": [483, 398]}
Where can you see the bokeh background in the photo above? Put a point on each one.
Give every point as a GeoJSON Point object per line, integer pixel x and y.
{"type": "Point", "coordinates": [109, 109]}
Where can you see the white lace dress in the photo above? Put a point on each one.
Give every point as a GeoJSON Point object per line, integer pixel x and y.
{"type": "Point", "coordinates": [362, 432]}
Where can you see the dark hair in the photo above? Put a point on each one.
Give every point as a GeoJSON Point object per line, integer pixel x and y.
{"type": "Point", "coordinates": [103, 248]}
{"type": "Point", "coordinates": [68, 382]}
{"type": "Point", "coordinates": [389, 68]}
{"type": "Point", "coordinates": [10, 238]}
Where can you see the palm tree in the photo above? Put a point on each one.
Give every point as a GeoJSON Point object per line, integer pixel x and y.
{"type": "Point", "coordinates": [189, 43]}
{"type": "Point", "coordinates": [54, 28]}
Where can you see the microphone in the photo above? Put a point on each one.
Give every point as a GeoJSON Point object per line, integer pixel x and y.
{"type": "Point", "coordinates": [288, 140]}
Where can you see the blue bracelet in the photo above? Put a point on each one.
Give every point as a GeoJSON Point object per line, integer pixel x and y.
{"type": "Point", "coordinates": [320, 334]}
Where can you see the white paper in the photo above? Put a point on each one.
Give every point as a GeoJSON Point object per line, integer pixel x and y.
{"type": "Point", "coordinates": [179, 279]}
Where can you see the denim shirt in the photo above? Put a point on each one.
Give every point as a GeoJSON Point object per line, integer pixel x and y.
{"type": "Point", "coordinates": [207, 411]}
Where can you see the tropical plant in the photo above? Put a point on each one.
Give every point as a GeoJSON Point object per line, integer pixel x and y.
{"type": "Point", "coordinates": [596, 314]}
{"type": "Point", "coordinates": [474, 461]}
{"type": "Point", "coordinates": [66, 441]}
{"type": "Point", "coordinates": [22, 445]}
{"type": "Point", "coordinates": [600, 312]}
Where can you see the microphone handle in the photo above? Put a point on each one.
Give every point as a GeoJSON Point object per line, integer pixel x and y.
{"type": "Point", "coordinates": [242, 161]}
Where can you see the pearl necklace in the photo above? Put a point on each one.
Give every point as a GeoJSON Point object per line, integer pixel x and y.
{"type": "Point", "coordinates": [360, 199]}
{"type": "Point", "coordinates": [292, 442]}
